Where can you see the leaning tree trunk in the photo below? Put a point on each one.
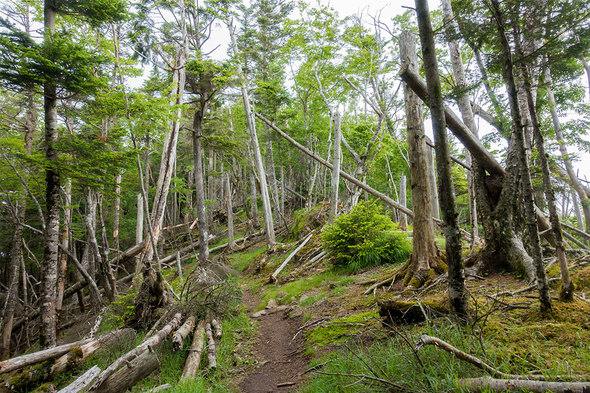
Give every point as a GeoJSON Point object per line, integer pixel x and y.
{"type": "Point", "coordinates": [446, 191]}
{"type": "Point", "coordinates": [152, 292]}
{"type": "Point", "coordinates": [48, 335]}
{"type": "Point", "coordinates": [523, 165]}
{"type": "Point", "coordinates": [465, 108]}
{"type": "Point", "coordinates": [571, 174]}
{"type": "Point", "coordinates": [251, 127]}
{"type": "Point", "coordinates": [424, 251]}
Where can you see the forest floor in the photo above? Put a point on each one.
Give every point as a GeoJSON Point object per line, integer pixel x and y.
{"type": "Point", "coordinates": [318, 329]}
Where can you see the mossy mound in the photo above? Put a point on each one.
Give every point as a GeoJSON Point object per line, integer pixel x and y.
{"type": "Point", "coordinates": [581, 278]}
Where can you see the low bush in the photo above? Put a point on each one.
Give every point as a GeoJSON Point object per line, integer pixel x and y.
{"type": "Point", "coordinates": [365, 237]}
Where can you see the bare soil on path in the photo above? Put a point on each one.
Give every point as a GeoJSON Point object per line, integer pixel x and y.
{"type": "Point", "coordinates": [281, 359]}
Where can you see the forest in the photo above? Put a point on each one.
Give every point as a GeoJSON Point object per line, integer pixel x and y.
{"type": "Point", "coordinates": [269, 196]}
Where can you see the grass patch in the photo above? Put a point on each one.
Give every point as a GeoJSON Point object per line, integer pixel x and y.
{"type": "Point", "coordinates": [241, 260]}
{"type": "Point", "coordinates": [341, 329]}
{"type": "Point", "coordinates": [294, 289]}
{"type": "Point", "coordinates": [392, 359]}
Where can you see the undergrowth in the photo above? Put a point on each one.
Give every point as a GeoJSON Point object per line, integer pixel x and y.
{"type": "Point", "coordinates": [364, 238]}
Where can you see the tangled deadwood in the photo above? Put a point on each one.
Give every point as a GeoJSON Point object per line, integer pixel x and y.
{"type": "Point", "coordinates": [210, 289]}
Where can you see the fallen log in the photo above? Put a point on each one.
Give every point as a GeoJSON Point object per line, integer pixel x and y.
{"type": "Point", "coordinates": [273, 277]}
{"type": "Point", "coordinates": [217, 326]}
{"type": "Point", "coordinates": [196, 352]}
{"type": "Point", "coordinates": [82, 381]}
{"type": "Point", "coordinates": [160, 388]}
{"type": "Point", "coordinates": [486, 384]}
{"type": "Point", "coordinates": [211, 355]}
{"type": "Point", "coordinates": [41, 372]}
{"type": "Point", "coordinates": [109, 341]}
{"type": "Point", "coordinates": [148, 345]}
{"type": "Point", "coordinates": [38, 357]}
{"type": "Point", "coordinates": [186, 328]}
{"type": "Point", "coordinates": [131, 373]}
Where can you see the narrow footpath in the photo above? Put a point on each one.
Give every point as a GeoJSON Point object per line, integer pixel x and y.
{"type": "Point", "coordinates": [281, 359]}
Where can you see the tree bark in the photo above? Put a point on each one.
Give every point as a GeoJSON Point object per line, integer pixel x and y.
{"type": "Point", "coordinates": [182, 332]}
{"type": "Point", "coordinates": [485, 384]}
{"type": "Point", "coordinates": [446, 191]}
{"type": "Point", "coordinates": [518, 139]}
{"type": "Point", "coordinates": [403, 220]}
{"type": "Point", "coordinates": [129, 375]}
{"type": "Point", "coordinates": [203, 225]}
{"type": "Point", "coordinates": [65, 243]}
{"type": "Point", "coordinates": [251, 127]}
{"type": "Point", "coordinates": [230, 213]}
{"type": "Point", "coordinates": [40, 356]}
{"type": "Point", "coordinates": [571, 174]}
{"type": "Point", "coordinates": [567, 288]}
{"type": "Point", "coordinates": [48, 334]}
{"type": "Point", "coordinates": [465, 108]}
{"type": "Point", "coordinates": [147, 346]}
{"type": "Point", "coordinates": [335, 179]}
{"type": "Point", "coordinates": [82, 381]}
{"type": "Point", "coordinates": [194, 357]}
{"type": "Point", "coordinates": [424, 251]}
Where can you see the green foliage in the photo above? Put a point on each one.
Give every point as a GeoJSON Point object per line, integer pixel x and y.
{"type": "Point", "coordinates": [364, 238]}
{"type": "Point", "coordinates": [119, 311]}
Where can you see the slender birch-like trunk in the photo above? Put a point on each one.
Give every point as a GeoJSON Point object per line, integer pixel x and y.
{"type": "Point", "coordinates": [335, 178]}
{"type": "Point", "coordinates": [251, 126]}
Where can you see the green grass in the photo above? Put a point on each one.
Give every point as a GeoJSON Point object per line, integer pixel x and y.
{"type": "Point", "coordinates": [240, 261]}
{"type": "Point", "coordinates": [294, 289]}
{"type": "Point", "coordinates": [392, 360]}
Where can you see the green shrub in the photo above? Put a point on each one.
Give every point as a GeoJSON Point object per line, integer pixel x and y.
{"type": "Point", "coordinates": [365, 237]}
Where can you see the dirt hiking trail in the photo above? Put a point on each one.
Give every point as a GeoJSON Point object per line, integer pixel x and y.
{"type": "Point", "coordinates": [281, 358]}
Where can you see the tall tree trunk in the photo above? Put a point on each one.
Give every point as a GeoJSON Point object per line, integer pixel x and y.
{"type": "Point", "coordinates": [65, 242]}
{"type": "Point", "coordinates": [403, 221]}
{"type": "Point", "coordinates": [576, 184]}
{"type": "Point", "coordinates": [432, 180]}
{"type": "Point", "coordinates": [518, 140]}
{"type": "Point", "coordinates": [117, 212]}
{"type": "Point", "coordinates": [272, 178]}
{"type": "Point", "coordinates": [16, 253]}
{"type": "Point", "coordinates": [463, 101]}
{"type": "Point", "coordinates": [335, 179]}
{"type": "Point", "coordinates": [567, 288]}
{"type": "Point", "coordinates": [446, 191]}
{"type": "Point", "coordinates": [200, 186]}
{"type": "Point", "coordinates": [48, 334]}
{"type": "Point", "coordinates": [230, 212]}
{"type": "Point", "coordinates": [251, 127]}
{"type": "Point", "coordinates": [424, 251]}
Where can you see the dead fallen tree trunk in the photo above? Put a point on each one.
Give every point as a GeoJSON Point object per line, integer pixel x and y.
{"type": "Point", "coordinates": [127, 376]}
{"type": "Point", "coordinates": [74, 357]}
{"type": "Point", "coordinates": [343, 174]}
{"type": "Point", "coordinates": [38, 357]}
{"type": "Point", "coordinates": [273, 277]}
{"type": "Point", "coordinates": [217, 326]}
{"type": "Point", "coordinates": [505, 385]}
{"type": "Point", "coordinates": [148, 345]}
{"type": "Point", "coordinates": [186, 328]}
{"type": "Point", "coordinates": [211, 355]}
{"type": "Point", "coordinates": [194, 357]}
{"type": "Point", "coordinates": [82, 381]}
{"type": "Point", "coordinates": [109, 341]}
